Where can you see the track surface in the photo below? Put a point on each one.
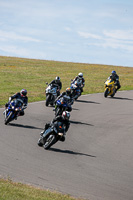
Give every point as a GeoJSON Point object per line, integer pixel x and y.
{"type": "Point", "coordinates": [96, 160]}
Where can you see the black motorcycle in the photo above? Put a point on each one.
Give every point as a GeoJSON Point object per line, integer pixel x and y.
{"type": "Point", "coordinates": [51, 135]}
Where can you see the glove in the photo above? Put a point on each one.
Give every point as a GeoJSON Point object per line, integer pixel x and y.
{"type": "Point", "coordinates": [10, 98]}
{"type": "Point", "coordinates": [24, 107]}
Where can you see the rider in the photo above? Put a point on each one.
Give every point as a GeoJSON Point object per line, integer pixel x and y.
{"type": "Point", "coordinates": [64, 118]}
{"type": "Point", "coordinates": [80, 81]}
{"type": "Point", "coordinates": [68, 97]}
{"type": "Point", "coordinates": [57, 82]}
{"type": "Point", "coordinates": [20, 95]}
{"type": "Point", "coordinates": [115, 78]}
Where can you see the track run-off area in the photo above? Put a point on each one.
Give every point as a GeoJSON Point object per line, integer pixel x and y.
{"type": "Point", "coordinates": [96, 160]}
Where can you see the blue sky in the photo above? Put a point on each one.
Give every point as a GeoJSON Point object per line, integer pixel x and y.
{"type": "Point", "coordinates": [84, 31]}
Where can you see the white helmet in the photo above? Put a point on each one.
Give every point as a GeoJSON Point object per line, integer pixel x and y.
{"type": "Point", "coordinates": [80, 75]}
{"type": "Point", "coordinates": [66, 115]}
{"type": "Point", "coordinates": [57, 79]}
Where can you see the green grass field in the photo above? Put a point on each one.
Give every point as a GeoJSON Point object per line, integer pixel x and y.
{"type": "Point", "coordinates": [18, 73]}
{"type": "Point", "coordinates": [18, 191]}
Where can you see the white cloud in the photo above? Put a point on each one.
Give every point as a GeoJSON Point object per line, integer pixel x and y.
{"type": "Point", "coordinates": [119, 34]}
{"type": "Point", "coordinates": [14, 49]}
{"type": "Point", "coordinates": [89, 35]}
{"type": "Point", "coordinates": [67, 29]}
{"type": "Point", "coordinates": [22, 52]}
{"type": "Point", "coordinates": [4, 35]}
{"type": "Point", "coordinates": [116, 39]}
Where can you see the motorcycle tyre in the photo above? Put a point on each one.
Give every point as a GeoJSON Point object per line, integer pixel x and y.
{"type": "Point", "coordinates": [49, 142]}
{"type": "Point", "coordinates": [106, 92]}
{"type": "Point", "coordinates": [8, 119]}
{"type": "Point", "coordinates": [47, 100]}
{"type": "Point", "coordinates": [112, 95]}
{"type": "Point", "coordinates": [40, 144]}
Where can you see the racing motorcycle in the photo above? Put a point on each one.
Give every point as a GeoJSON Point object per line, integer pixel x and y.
{"type": "Point", "coordinates": [75, 90]}
{"type": "Point", "coordinates": [62, 105]}
{"type": "Point", "coordinates": [13, 110]}
{"type": "Point", "coordinates": [51, 94]}
{"type": "Point", "coordinates": [51, 135]}
{"type": "Point", "coordinates": [109, 88]}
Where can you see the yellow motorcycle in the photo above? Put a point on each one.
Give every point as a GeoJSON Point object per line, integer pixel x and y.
{"type": "Point", "coordinates": [109, 88]}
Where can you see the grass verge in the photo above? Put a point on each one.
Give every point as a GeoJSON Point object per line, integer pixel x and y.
{"type": "Point", "coordinates": [18, 73]}
{"type": "Point", "coordinates": [18, 191]}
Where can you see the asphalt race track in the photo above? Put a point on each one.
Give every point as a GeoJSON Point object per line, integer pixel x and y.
{"type": "Point", "coordinates": [96, 160]}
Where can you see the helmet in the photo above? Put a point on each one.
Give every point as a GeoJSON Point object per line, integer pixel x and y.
{"type": "Point", "coordinates": [23, 92]}
{"type": "Point", "coordinates": [66, 115]}
{"type": "Point", "coordinates": [68, 91]}
{"type": "Point", "coordinates": [57, 79]}
{"type": "Point", "coordinates": [113, 72]}
{"type": "Point", "coordinates": [80, 75]}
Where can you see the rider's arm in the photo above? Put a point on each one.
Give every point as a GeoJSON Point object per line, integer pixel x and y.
{"type": "Point", "coordinates": [52, 82]}
{"type": "Point", "coordinates": [25, 103]}
{"type": "Point", "coordinates": [67, 126]}
{"type": "Point", "coordinates": [14, 96]}
{"type": "Point", "coordinates": [60, 85]}
{"type": "Point", "coordinates": [56, 119]}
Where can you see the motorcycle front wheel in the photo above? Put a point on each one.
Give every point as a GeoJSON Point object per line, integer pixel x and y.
{"type": "Point", "coordinates": [8, 118]}
{"type": "Point", "coordinates": [106, 92]}
{"type": "Point", "coordinates": [49, 142]}
{"type": "Point", "coordinates": [47, 100]}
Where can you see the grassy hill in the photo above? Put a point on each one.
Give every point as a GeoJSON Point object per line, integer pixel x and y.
{"type": "Point", "coordinates": [18, 73]}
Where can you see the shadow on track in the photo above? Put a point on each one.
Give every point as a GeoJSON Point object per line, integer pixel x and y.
{"type": "Point", "coordinates": [121, 98]}
{"type": "Point", "coordinates": [24, 126]}
{"type": "Point", "coordinates": [82, 123]}
{"type": "Point", "coordinates": [70, 152]}
{"type": "Point", "coordinates": [83, 101]}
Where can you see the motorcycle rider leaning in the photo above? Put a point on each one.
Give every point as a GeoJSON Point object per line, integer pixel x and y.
{"type": "Point", "coordinates": [64, 118]}
{"type": "Point", "coordinates": [20, 95]}
{"type": "Point", "coordinates": [68, 97]}
{"type": "Point", "coordinates": [80, 81]}
{"type": "Point", "coordinates": [57, 82]}
{"type": "Point", "coordinates": [115, 78]}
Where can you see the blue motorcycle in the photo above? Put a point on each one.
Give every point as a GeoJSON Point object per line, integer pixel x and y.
{"type": "Point", "coordinates": [13, 110]}
{"type": "Point", "coordinates": [62, 105]}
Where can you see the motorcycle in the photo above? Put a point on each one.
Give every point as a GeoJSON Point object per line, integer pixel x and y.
{"type": "Point", "coordinates": [76, 92]}
{"type": "Point", "coordinates": [62, 105]}
{"type": "Point", "coordinates": [13, 110]}
{"type": "Point", "coordinates": [51, 94]}
{"type": "Point", "coordinates": [51, 135]}
{"type": "Point", "coordinates": [109, 88]}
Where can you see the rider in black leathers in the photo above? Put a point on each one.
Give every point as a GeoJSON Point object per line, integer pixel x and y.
{"type": "Point", "coordinates": [68, 98]}
{"type": "Point", "coordinates": [20, 95]}
{"type": "Point", "coordinates": [80, 81]}
{"type": "Point", "coordinates": [57, 82]}
{"type": "Point", "coordinates": [115, 78]}
{"type": "Point", "coordinates": [64, 118]}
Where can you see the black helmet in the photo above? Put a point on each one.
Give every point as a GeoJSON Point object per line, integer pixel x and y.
{"type": "Point", "coordinates": [23, 92]}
